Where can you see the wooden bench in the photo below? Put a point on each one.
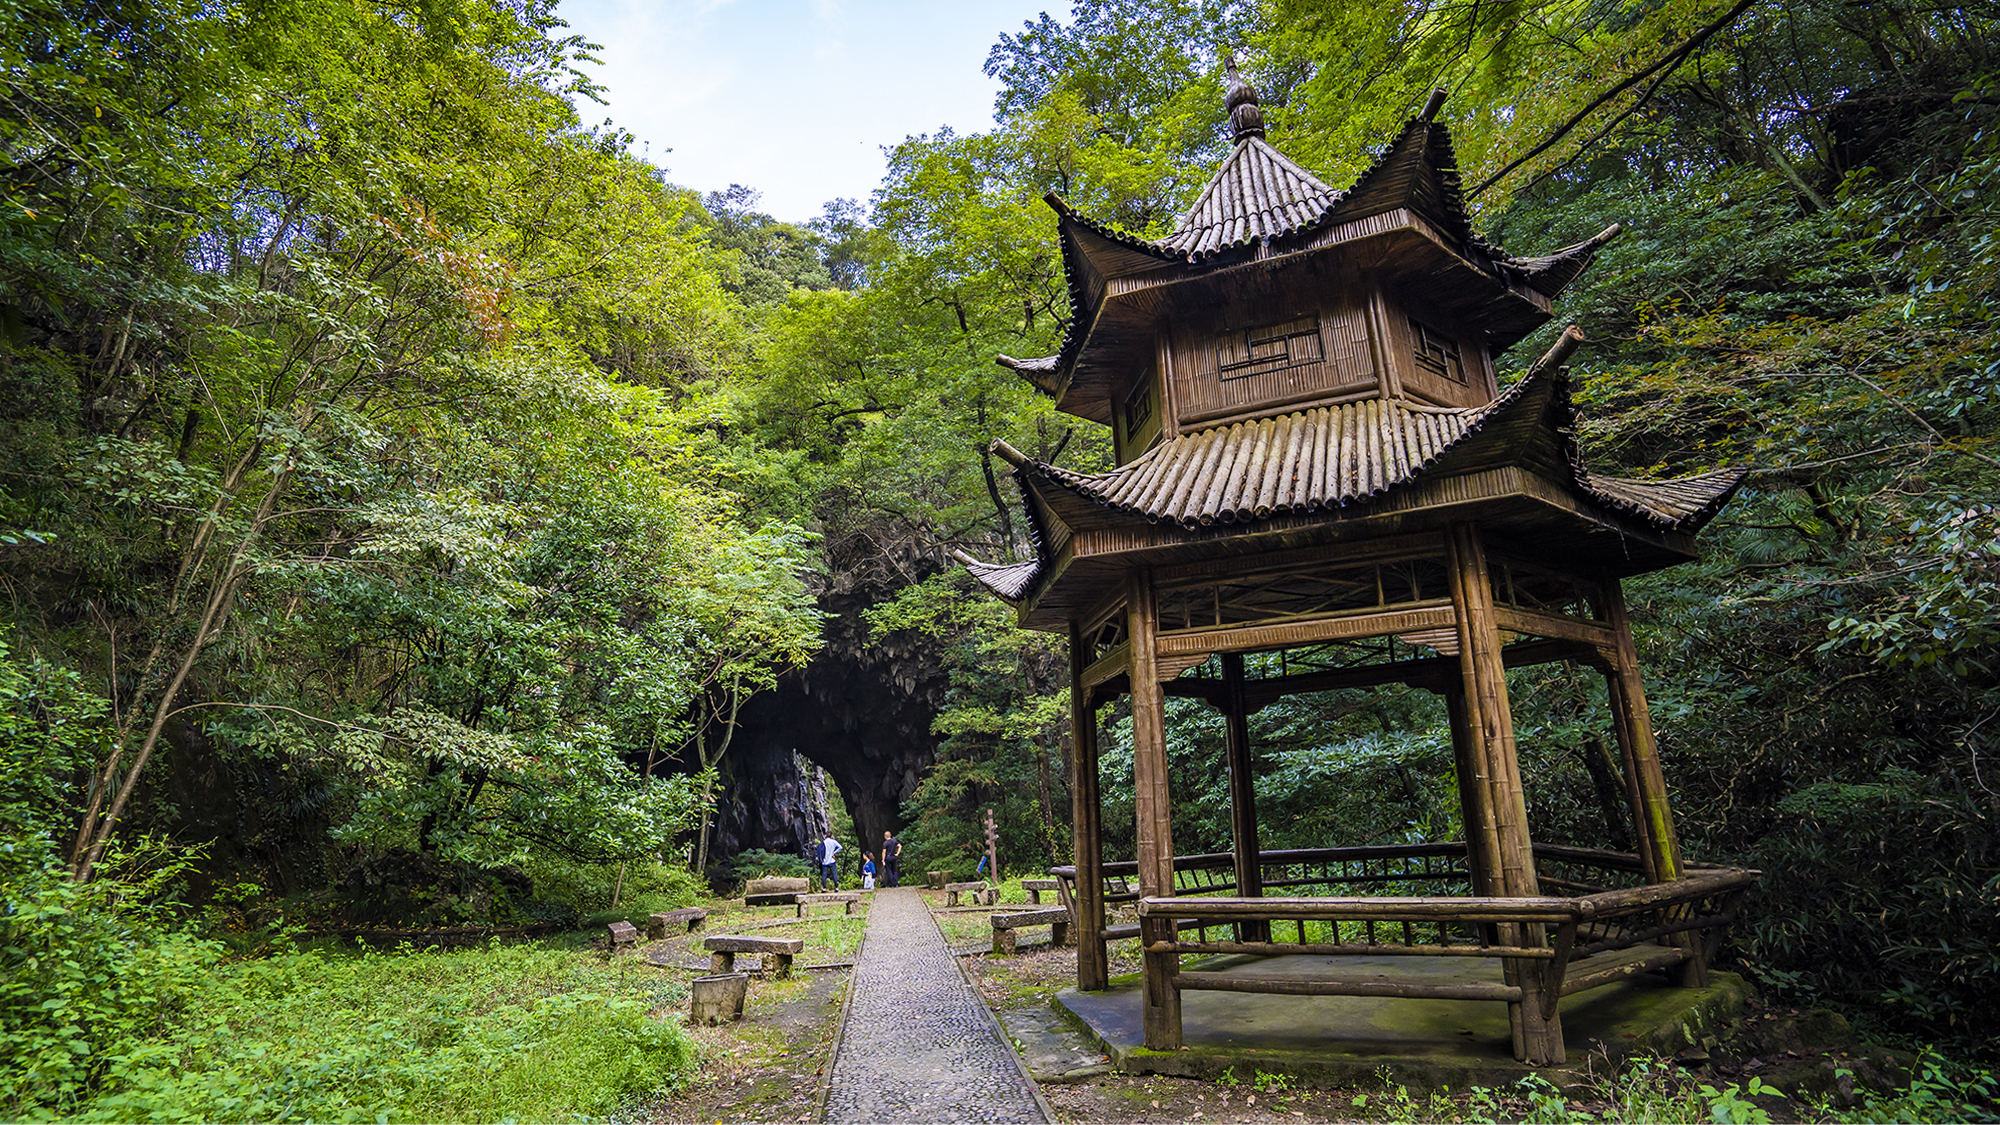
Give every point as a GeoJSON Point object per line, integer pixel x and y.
{"type": "Point", "coordinates": [656, 924]}
{"type": "Point", "coordinates": [1035, 887]}
{"type": "Point", "coordinates": [982, 893]}
{"type": "Point", "coordinates": [777, 953]}
{"type": "Point", "coordinates": [849, 898]}
{"type": "Point", "coordinates": [622, 934]}
{"type": "Point", "coordinates": [1054, 917]}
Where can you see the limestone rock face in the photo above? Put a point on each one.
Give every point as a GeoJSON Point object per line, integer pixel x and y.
{"type": "Point", "coordinates": [769, 798]}
{"type": "Point", "coordinates": [861, 710]}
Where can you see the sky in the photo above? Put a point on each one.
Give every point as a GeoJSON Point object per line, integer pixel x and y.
{"type": "Point", "coordinates": [792, 98]}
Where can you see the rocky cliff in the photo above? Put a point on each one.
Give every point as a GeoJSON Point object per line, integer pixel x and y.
{"type": "Point", "coordinates": [862, 710]}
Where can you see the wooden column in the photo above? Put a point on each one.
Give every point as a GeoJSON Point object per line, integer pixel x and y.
{"type": "Point", "coordinates": [1537, 1033]}
{"type": "Point", "coordinates": [1475, 797]}
{"type": "Point", "coordinates": [1153, 811]}
{"type": "Point", "coordinates": [1242, 794]}
{"type": "Point", "coordinates": [1655, 825]}
{"type": "Point", "coordinates": [1653, 819]}
{"type": "Point", "coordinates": [1093, 973]}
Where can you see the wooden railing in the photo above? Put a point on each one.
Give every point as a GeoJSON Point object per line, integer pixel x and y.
{"type": "Point", "coordinates": [1576, 929]}
{"type": "Point", "coordinates": [1416, 900]}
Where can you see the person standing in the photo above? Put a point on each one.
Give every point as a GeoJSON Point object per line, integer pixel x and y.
{"type": "Point", "coordinates": [829, 880]}
{"type": "Point", "coordinates": [892, 858]}
{"type": "Point", "coordinates": [867, 872]}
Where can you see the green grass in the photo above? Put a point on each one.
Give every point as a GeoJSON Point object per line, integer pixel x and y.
{"type": "Point", "coordinates": [522, 1032]}
{"type": "Point", "coordinates": [836, 937]}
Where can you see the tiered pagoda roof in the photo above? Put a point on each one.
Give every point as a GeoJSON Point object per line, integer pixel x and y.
{"type": "Point", "coordinates": [1334, 471]}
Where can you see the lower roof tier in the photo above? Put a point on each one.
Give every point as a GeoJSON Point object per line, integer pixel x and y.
{"type": "Point", "coordinates": [1348, 474]}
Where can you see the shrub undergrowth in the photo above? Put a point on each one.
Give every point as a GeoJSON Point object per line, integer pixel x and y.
{"type": "Point", "coordinates": [503, 1032]}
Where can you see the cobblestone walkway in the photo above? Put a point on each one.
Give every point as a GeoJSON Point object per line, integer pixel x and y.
{"type": "Point", "coordinates": [918, 1045]}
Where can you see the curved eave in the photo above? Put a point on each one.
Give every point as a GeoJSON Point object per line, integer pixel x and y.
{"type": "Point", "coordinates": [1550, 274]}
{"type": "Point", "coordinates": [1010, 582]}
{"type": "Point", "coordinates": [1683, 504]}
{"type": "Point", "coordinates": [1040, 372]}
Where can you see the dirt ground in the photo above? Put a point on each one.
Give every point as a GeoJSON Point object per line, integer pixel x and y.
{"type": "Point", "coordinates": [769, 1065]}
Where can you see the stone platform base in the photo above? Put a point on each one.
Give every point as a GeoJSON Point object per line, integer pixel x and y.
{"type": "Point", "coordinates": [1421, 1044]}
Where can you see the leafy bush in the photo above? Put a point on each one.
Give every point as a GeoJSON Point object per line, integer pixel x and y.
{"type": "Point", "coordinates": [1914, 928]}
{"type": "Point", "coordinates": [758, 864]}
{"type": "Point", "coordinates": [82, 974]}
{"type": "Point", "coordinates": [587, 887]}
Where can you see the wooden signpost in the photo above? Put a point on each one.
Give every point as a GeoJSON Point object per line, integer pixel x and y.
{"type": "Point", "coordinates": [992, 848]}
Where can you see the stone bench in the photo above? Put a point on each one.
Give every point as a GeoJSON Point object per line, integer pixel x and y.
{"type": "Point", "coordinates": [935, 880]}
{"type": "Point", "coordinates": [622, 934]}
{"type": "Point", "coordinates": [982, 893]}
{"type": "Point", "coordinates": [1054, 917]}
{"type": "Point", "coordinates": [774, 891]}
{"type": "Point", "coordinates": [849, 898]}
{"type": "Point", "coordinates": [656, 924]}
{"type": "Point", "coordinates": [1035, 887]}
{"type": "Point", "coordinates": [777, 953]}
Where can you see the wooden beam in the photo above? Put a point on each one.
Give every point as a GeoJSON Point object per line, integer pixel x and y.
{"type": "Point", "coordinates": [1635, 730]}
{"type": "Point", "coordinates": [1435, 673]}
{"type": "Point", "coordinates": [1314, 986]}
{"type": "Point", "coordinates": [1093, 973]}
{"type": "Point", "coordinates": [1253, 637]}
{"type": "Point", "coordinates": [1475, 801]}
{"type": "Point", "coordinates": [1537, 624]}
{"type": "Point", "coordinates": [1272, 563]}
{"type": "Point", "coordinates": [1648, 783]}
{"type": "Point", "coordinates": [1113, 663]}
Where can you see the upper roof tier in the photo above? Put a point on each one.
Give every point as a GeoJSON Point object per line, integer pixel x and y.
{"type": "Point", "coordinates": [1262, 207]}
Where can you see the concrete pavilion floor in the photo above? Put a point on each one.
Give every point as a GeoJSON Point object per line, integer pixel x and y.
{"type": "Point", "coordinates": [1423, 1044]}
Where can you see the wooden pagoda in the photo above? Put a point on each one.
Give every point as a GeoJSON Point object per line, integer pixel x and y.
{"type": "Point", "coordinates": [1313, 455]}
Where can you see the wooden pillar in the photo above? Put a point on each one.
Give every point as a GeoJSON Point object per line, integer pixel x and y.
{"type": "Point", "coordinates": [1093, 972]}
{"type": "Point", "coordinates": [1655, 825]}
{"type": "Point", "coordinates": [1653, 818]}
{"type": "Point", "coordinates": [1153, 810]}
{"type": "Point", "coordinates": [1242, 794]}
{"type": "Point", "coordinates": [1475, 797]}
{"type": "Point", "coordinates": [1537, 1035]}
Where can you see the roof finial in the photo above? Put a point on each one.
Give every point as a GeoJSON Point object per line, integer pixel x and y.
{"type": "Point", "coordinates": [1246, 117]}
{"type": "Point", "coordinates": [1432, 106]}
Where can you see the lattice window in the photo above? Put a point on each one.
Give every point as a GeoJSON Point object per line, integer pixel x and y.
{"type": "Point", "coordinates": [1437, 353]}
{"type": "Point", "coordinates": [1243, 352]}
{"type": "Point", "coordinates": [1109, 634]}
{"type": "Point", "coordinates": [1138, 408]}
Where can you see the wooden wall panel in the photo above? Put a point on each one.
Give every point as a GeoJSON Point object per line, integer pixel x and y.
{"type": "Point", "coordinates": [1282, 346]}
{"type": "Point", "coordinates": [1400, 315]}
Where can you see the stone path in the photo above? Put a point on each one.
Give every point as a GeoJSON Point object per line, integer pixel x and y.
{"type": "Point", "coordinates": [919, 1044]}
